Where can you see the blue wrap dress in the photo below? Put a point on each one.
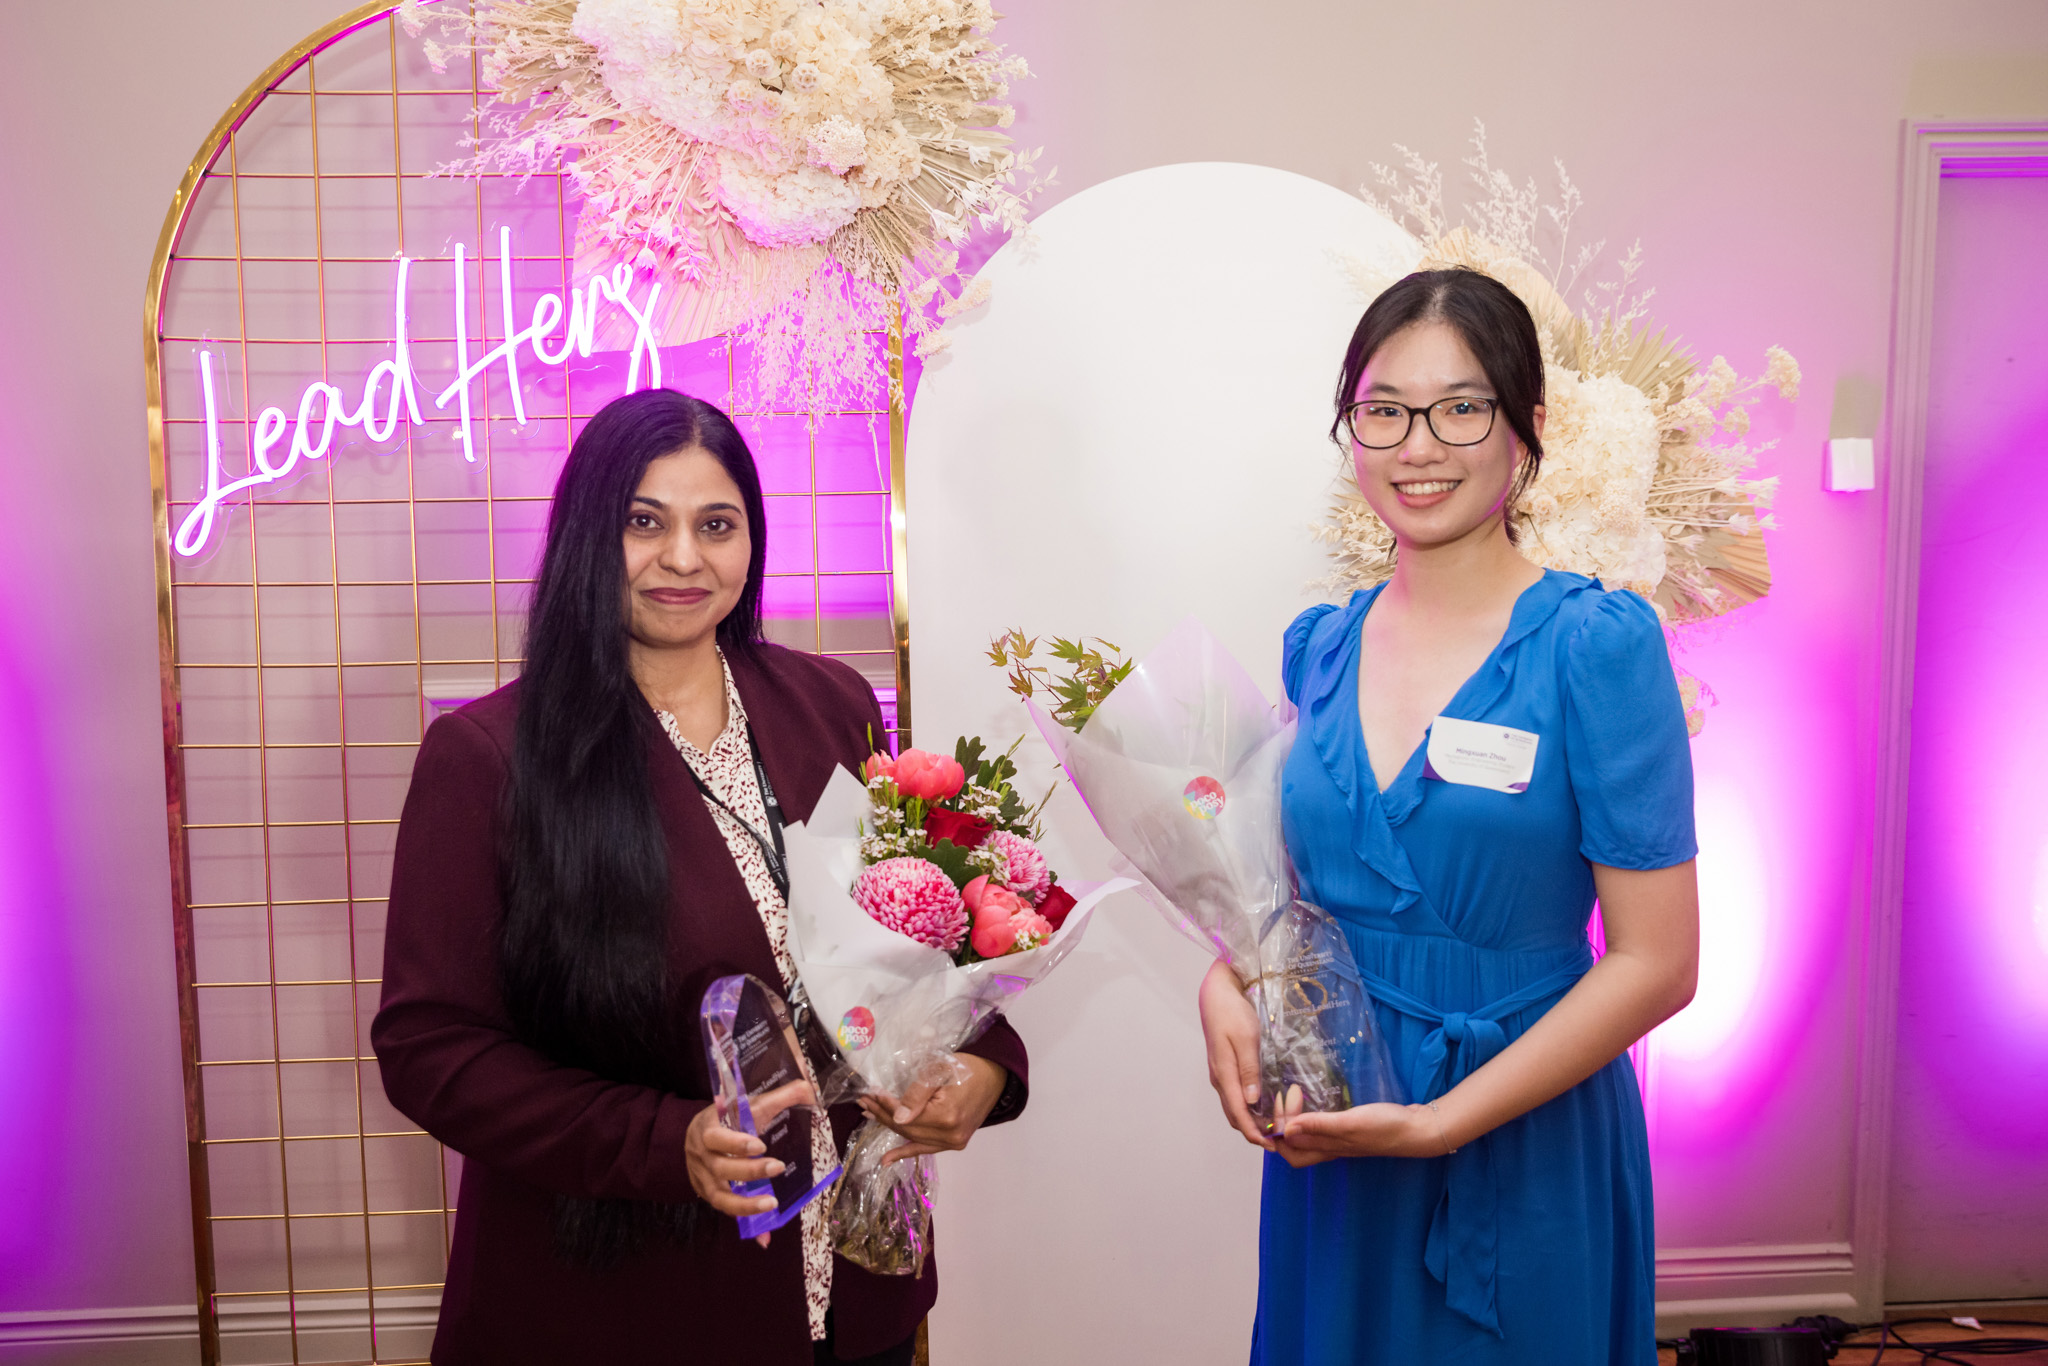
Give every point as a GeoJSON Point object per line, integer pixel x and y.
{"type": "Point", "coordinates": [1467, 911]}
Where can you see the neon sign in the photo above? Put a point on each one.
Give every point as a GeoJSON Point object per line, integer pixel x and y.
{"type": "Point", "coordinates": [321, 405]}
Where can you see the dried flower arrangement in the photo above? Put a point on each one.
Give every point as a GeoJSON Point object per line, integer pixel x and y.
{"type": "Point", "coordinates": [796, 169]}
{"type": "Point", "coordinates": [1644, 480]}
{"type": "Point", "coordinates": [1645, 470]}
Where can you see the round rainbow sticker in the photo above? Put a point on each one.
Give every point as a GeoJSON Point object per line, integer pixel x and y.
{"type": "Point", "coordinates": [1203, 798]}
{"type": "Point", "coordinates": [857, 1029]}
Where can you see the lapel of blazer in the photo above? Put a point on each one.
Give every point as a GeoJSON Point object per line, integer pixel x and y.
{"type": "Point", "coordinates": [799, 745]}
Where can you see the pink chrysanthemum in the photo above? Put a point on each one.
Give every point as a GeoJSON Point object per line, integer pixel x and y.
{"type": "Point", "coordinates": [915, 898]}
{"type": "Point", "coordinates": [1028, 876]}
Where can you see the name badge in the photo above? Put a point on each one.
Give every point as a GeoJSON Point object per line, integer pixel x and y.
{"type": "Point", "coordinates": [1480, 754]}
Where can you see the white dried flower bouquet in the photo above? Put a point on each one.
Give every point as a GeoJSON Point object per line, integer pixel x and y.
{"type": "Point", "coordinates": [1644, 482]}
{"type": "Point", "coordinates": [796, 168]}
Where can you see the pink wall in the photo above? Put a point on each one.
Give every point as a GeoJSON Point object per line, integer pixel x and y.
{"type": "Point", "coordinates": [1970, 1157]}
{"type": "Point", "coordinates": [39, 1025]}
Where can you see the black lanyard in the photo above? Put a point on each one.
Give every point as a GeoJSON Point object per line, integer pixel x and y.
{"type": "Point", "coordinates": [771, 843]}
{"type": "Point", "coordinates": [817, 1046]}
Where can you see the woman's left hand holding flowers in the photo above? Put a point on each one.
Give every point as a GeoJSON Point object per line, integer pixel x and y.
{"type": "Point", "coordinates": [1378, 1130]}
{"type": "Point", "coordinates": [940, 1113]}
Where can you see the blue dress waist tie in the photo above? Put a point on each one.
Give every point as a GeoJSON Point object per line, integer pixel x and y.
{"type": "Point", "coordinates": [1463, 1246]}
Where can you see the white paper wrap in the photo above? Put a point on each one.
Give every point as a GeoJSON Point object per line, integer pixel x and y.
{"type": "Point", "coordinates": [920, 999]}
{"type": "Point", "coordinates": [1189, 713]}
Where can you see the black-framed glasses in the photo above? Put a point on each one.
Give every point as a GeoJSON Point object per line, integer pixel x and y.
{"type": "Point", "coordinates": [1379, 424]}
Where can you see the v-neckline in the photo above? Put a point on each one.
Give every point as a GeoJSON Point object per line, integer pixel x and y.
{"type": "Point", "coordinates": [1412, 766]}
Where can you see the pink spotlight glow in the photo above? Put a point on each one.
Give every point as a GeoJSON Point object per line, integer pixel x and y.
{"type": "Point", "coordinates": [36, 1006]}
{"type": "Point", "coordinates": [1974, 934]}
{"type": "Point", "coordinates": [2041, 902]}
{"type": "Point", "coordinates": [1734, 933]}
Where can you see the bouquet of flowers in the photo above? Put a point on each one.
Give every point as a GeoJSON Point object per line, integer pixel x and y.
{"type": "Point", "coordinates": [1179, 758]}
{"type": "Point", "coordinates": [956, 864]}
{"type": "Point", "coordinates": [920, 905]}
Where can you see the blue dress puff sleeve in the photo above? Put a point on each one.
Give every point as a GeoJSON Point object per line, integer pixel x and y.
{"type": "Point", "coordinates": [1625, 741]}
{"type": "Point", "coordinates": [1294, 648]}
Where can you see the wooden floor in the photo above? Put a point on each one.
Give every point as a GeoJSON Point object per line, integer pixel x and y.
{"type": "Point", "coordinates": [2028, 1319]}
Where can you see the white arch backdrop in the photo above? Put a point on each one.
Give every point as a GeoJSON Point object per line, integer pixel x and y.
{"type": "Point", "coordinates": [1133, 429]}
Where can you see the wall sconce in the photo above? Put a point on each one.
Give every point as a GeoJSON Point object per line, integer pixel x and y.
{"type": "Point", "coordinates": [1852, 465]}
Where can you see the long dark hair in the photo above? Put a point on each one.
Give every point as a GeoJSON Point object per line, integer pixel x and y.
{"type": "Point", "coordinates": [583, 864]}
{"type": "Point", "coordinates": [1494, 325]}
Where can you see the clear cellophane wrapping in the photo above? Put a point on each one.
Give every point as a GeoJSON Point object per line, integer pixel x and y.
{"type": "Point", "coordinates": [1181, 766]}
{"type": "Point", "coordinates": [896, 1011]}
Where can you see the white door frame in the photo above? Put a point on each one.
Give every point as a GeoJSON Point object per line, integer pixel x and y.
{"type": "Point", "coordinates": [1928, 149]}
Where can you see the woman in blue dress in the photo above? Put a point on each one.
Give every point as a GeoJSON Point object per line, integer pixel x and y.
{"type": "Point", "coordinates": [1485, 748]}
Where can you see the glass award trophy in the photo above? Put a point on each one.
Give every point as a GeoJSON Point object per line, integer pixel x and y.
{"type": "Point", "coordinates": [1319, 1046]}
{"type": "Point", "coordinates": [757, 1061]}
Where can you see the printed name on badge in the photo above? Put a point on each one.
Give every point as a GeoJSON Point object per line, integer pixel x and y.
{"type": "Point", "coordinates": [1480, 754]}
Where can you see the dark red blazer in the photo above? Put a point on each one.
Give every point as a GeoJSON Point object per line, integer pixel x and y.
{"type": "Point", "coordinates": [529, 1128]}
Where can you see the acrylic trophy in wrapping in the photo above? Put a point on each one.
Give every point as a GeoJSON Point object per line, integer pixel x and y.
{"type": "Point", "coordinates": [1319, 1044]}
{"type": "Point", "coordinates": [1181, 767]}
{"type": "Point", "coordinates": [757, 1061]}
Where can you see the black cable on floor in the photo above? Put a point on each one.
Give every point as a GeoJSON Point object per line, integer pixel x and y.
{"type": "Point", "coordinates": [1986, 1346]}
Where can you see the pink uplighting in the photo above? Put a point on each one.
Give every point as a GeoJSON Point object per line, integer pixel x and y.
{"type": "Point", "coordinates": [1706, 1042]}
{"type": "Point", "coordinates": [1974, 945]}
{"type": "Point", "coordinates": [37, 1012]}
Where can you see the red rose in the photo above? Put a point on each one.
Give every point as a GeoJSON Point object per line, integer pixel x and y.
{"type": "Point", "coordinates": [1056, 904]}
{"type": "Point", "coordinates": [964, 830]}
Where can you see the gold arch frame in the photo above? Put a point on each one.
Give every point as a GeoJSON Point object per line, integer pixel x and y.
{"type": "Point", "coordinates": [216, 142]}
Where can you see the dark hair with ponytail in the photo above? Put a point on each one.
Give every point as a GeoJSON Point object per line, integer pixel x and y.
{"type": "Point", "coordinates": [583, 863]}
{"type": "Point", "coordinates": [1496, 328]}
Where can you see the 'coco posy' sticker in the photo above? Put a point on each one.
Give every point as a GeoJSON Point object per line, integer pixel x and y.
{"type": "Point", "coordinates": [1204, 799]}
{"type": "Point", "coordinates": [857, 1029]}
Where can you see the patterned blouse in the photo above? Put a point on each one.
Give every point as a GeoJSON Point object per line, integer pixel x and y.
{"type": "Point", "coordinates": [728, 770]}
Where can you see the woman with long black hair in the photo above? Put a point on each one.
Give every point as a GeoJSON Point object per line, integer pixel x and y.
{"type": "Point", "coordinates": [581, 854]}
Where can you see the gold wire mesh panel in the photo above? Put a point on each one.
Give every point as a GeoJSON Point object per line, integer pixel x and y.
{"type": "Point", "coordinates": [323, 616]}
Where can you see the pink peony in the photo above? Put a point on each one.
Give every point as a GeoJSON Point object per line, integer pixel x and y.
{"type": "Point", "coordinates": [1028, 877]}
{"type": "Point", "coordinates": [993, 941]}
{"type": "Point", "coordinates": [1027, 931]}
{"type": "Point", "coordinates": [913, 898]}
{"type": "Point", "coordinates": [1002, 922]}
{"type": "Point", "coordinates": [985, 898]}
{"type": "Point", "coordinates": [928, 777]}
{"type": "Point", "coordinates": [879, 766]}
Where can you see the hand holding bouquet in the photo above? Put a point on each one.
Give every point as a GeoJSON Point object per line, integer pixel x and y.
{"type": "Point", "coordinates": [919, 905]}
{"type": "Point", "coordinates": [1179, 758]}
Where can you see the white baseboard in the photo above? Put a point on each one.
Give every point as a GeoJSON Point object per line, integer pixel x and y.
{"type": "Point", "coordinates": [1695, 1287]}
{"type": "Point", "coordinates": [100, 1325]}
{"type": "Point", "coordinates": [316, 1313]}
{"type": "Point", "coordinates": [1754, 1285]}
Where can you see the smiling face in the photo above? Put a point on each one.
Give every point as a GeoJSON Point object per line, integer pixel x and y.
{"type": "Point", "coordinates": [687, 550]}
{"type": "Point", "coordinates": [1429, 493]}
